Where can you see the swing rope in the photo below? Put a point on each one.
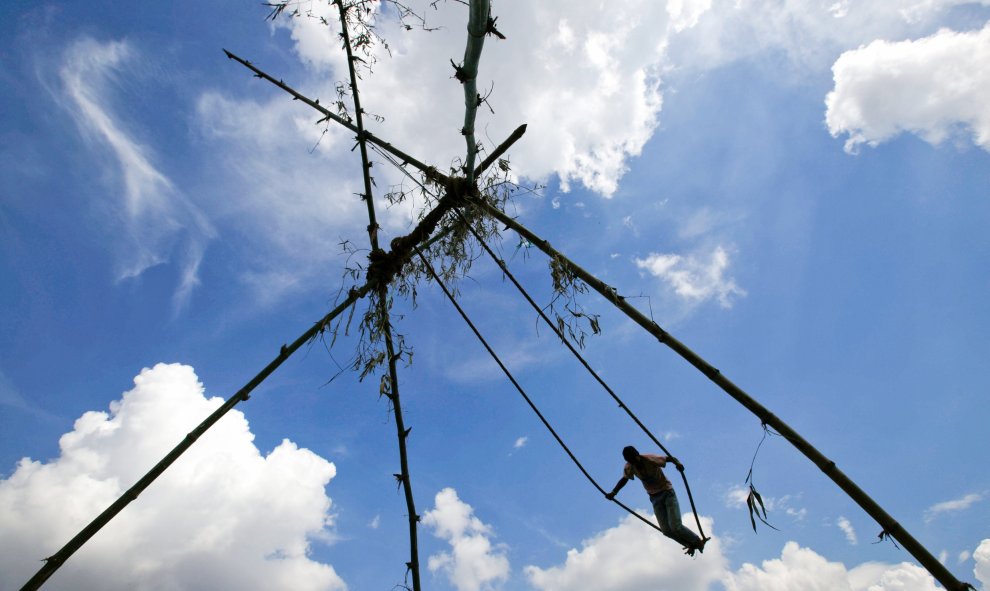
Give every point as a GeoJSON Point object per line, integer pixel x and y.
{"type": "Point", "coordinates": [522, 392]}
{"type": "Point", "coordinates": [560, 335]}
{"type": "Point", "coordinates": [581, 359]}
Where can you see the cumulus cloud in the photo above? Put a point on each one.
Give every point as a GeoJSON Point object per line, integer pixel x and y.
{"type": "Point", "coordinates": [520, 442]}
{"type": "Point", "coordinates": [632, 557]}
{"type": "Point", "coordinates": [158, 221]}
{"type": "Point", "coordinates": [982, 558]}
{"type": "Point", "coordinates": [587, 82]}
{"type": "Point", "coordinates": [803, 568]}
{"type": "Point", "coordinates": [847, 528]}
{"type": "Point", "coordinates": [952, 506]}
{"type": "Point", "coordinates": [473, 562]}
{"type": "Point", "coordinates": [797, 568]}
{"type": "Point", "coordinates": [695, 279]}
{"type": "Point", "coordinates": [223, 516]}
{"type": "Point", "coordinates": [934, 87]}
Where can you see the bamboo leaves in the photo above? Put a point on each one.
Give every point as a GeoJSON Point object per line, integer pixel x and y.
{"type": "Point", "coordinates": [757, 510]}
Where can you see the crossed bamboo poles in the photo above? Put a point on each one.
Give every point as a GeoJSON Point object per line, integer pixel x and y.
{"type": "Point", "coordinates": [383, 267]}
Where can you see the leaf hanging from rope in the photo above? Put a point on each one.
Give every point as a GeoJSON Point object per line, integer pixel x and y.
{"type": "Point", "coordinates": [757, 510]}
{"type": "Point", "coordinates": [754, 502]}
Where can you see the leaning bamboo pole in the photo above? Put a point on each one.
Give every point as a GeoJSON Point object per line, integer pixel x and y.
{"type": "Point", "coordinates": [431, 173]}
{"type": "Point", "coordinates": [888, 523]}
{"type": "Point", "coordinates": [55, 561]}
{"type": "Point", "coordinates": [384, 315]}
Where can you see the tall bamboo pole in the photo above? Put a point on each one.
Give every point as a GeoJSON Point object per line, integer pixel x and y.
{"type": "Point", "coordinates": [468, 75]}
{"type": "Point", "coordinates": [382, 292]}
{"type": "Point", "coordinates": [888, 523]}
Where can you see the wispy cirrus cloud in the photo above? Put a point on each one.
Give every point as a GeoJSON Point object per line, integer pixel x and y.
{"type": "Point", "coordinates": [953, 506]}
{"type": "Point", "coordinates": [155, 220]}
{"type": "Point", "coordinates": [848, 530]}
{"type": "Point", "coordinates": [11, 397]}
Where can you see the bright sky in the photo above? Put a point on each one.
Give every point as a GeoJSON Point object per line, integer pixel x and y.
{"type": "Point", "coordinates": [796, 190]}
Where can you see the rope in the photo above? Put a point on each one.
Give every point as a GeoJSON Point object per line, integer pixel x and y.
{"type": "Point", "coordinates": [580, 358]}
{"type": "Point", "coordinates": [522, 392]}
{"type": "Point", "coordinates": [583, 362]}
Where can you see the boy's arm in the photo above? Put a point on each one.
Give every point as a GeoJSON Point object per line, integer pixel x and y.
{"type": "Point", "coordinates": [618, 486]}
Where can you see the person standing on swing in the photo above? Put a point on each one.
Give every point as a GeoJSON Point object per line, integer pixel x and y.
{"type": "Point", "coordinates": [649, 469]}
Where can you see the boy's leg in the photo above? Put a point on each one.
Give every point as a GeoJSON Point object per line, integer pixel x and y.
{"type": "Point", "coordinates": [677, 531]}
{"type": "Point", "coordinates": [660, 510]}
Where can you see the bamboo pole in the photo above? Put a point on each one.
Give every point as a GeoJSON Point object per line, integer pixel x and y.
{"type": "Point", "coordinates": [431, 173]}
{"type": "Point", "coordinates": [468, 75]}
{"type": "Point", "coordinates": [378, 272]}
{"type": "Point", "coordinates": [501, 149]}
{"type": "Point", "coordinates": [382, 291]}
{"type": "Point", "coordinates": [888, 523]}
{"type": "Point", "coordinates": [55, 561]}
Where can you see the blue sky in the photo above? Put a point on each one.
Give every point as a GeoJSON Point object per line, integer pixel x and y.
{"type": "Point", "coordinates": [797, 191]}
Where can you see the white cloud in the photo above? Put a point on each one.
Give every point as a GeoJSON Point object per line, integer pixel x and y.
{"type": "Point", "coordinates": [200, 525]}
{"type": "Point", "coordinates": [735, 497]}
{"type": "Point", "coordinates": [595, 105]}
{"type": "Point", "coordinates": [847, 528]}
{"type": "Point", "coordinates": [797, 568]}
{"type": "Point", "coordinates": [805, 569]}
{"type": "Point", "coordinates": [518, 356]}
{"type": "Point", "coordinates": [807, 34]}
{"type": "Point", "coordinates": [982, 558]}
{"type": "Point", "coordinates": [693, 278]}
{"type": "Point", "coordinates": [952, 506]}
{"type": "Point", "coordinates": [963, 556]}
{"type": "Point", "coordinates": [375, 522]}
{"type": "Point", "coordinates": [935, 87]}
{"type": "Point", "coordinates": [632, 557]}
{"type": "Point", "coordinates": [520, 443]}
{"type": "Point", "coordinates": [883, 577]}
{"type": "Point", "coordinates": [473, 563]}
{"type": "Point", "coordinates": [157, 219]}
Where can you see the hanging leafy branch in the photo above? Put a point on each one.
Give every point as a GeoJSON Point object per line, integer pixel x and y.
{"type": "Point", "coordinates": [754, 502]}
